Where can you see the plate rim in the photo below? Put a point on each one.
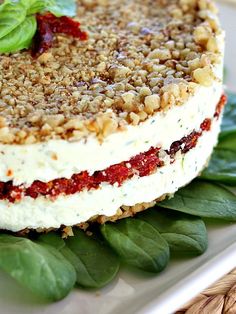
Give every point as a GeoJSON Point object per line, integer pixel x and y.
{"type": "Point", "coordinates": [173, 298]}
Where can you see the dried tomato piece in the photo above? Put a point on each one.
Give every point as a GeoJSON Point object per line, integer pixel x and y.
{"type": "Point", "coordinates": [114, 174]}
{"type": "Point", "coordinates": [2, 186]}
{"type": "Point", "coordinates": [220, 106]}
{"type": "Point", "coordinates": [206, 125]}
{"type": "Point", "coordinates": [65, 25]}
{"type": "Point", "coordinates": [15, 194]}
{"type": "Point", "coordinates": [38, 188]}
{"type": "Point", "coordinates": [185, 144]}
{"type": "Point", "coordinates": [145, 163]}
{"type": "Point", "coordinates": [43, 39]}
{"type": "Point", "coordinates": [175, 147]}
{"type": "Point", "coordinates": [190, 141]}
{"type": "Point", "coordinates": [10, 192]}
{"type": "Point", "coordinates": [81, 181]}
{"type": "Point", "coordinates": [48, 25]}
{"type": "Point", "coordinates": [59, 186]}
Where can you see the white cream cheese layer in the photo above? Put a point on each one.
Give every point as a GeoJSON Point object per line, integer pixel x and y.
{"type": "Point", "coordinates": [28, 163]}
{"type": "Point", "coordinates": [73, 209]}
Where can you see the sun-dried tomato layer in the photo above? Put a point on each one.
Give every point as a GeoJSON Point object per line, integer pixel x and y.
{"type": "Point", "coordinates": [142, 165]}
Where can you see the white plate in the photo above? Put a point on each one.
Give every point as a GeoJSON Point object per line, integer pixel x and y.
{"type": "Point", "coordinates": [137, 292]}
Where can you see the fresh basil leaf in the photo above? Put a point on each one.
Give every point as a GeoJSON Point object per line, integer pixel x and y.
{"type": "Point", "coordinates": [63, 7]}
{"type": "Point", "coordinates": [12, 14]}
{"type": "Point", "coordinates": [222, 166]}
{"type": "Point", "coordinates": [229, 119]}
{"type": "Point", "coordinates": [20, 38]}
{"type": "Point", "coordinates": [57, 7]}
{"type": "Point", "coordinates": [36, 6]}
{"type": "Point", "coordinates": [138, 244]}
{"type": "Point", "coordinates": [204, 199]}
{"type": "Point", "coordinates": [95, 263]}
{"type": "Point", "coordinates": [37, 266]}
{"type": "Point", "coordinates": [184, 233]}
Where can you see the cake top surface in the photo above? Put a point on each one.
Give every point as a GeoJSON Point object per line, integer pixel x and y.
{"type": "Point", "coordinates": [141, 57]}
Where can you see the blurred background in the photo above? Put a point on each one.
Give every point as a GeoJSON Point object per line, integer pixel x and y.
{"type": "Point", "coordinates": [228, 20]}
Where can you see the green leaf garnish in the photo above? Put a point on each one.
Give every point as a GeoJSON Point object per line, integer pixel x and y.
{"type": "Point", "coordinates": [12, 14]}
{"type": "Point", "coordinates": [184, 233]}
{"type": "Point", "coordinates": [20, 38]}
{"type": "Point", "coordinates": [36, 6]}
{"type": "Point", "coordinates": [138, 244]}
{"type": "Point", "coordinates": [63, 7]}
{"type": "Point", "coordinates": [56, 7]}
{"type": "Point", "coordinates": [204, 199]}
{"type": "Point", "coordinates": [37, 266]}
{"type": "Point", "coordinates": [18, 22]}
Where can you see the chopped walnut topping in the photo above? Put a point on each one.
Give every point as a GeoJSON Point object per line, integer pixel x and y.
{"type": "Point", "coordinates": [152, 103]}
{"type": "Point", "coordinates": [141, 57]}
{"type": "Point", "coordinates": [45, 57]}
{"type": "Point", "coordinates": [161, 54]}
{"type": "Point", "coordinates": [204, 76]}
{"type": "Point", "coordinates": [201, 34]}
{"type": "Point", "coordinates": [67, 232]}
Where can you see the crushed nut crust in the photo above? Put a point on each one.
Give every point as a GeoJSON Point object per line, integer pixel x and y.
{"type": "Point", "coordinates": [141, 57]}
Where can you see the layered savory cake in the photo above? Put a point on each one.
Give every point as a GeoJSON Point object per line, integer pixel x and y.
{"type": "Point", "coordinates": [102, 128]}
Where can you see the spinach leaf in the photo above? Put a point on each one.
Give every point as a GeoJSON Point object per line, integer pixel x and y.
{"type": "Point", "coordinates": [228, 142]}
{"type": "Point", "coordinates": [204, 199]}
{"type": "Point", "coordinates": [52, 239]}
{"type": "Point", "coordinates": [222, 166]}
{"type": "Point", "coordinates": [138, 244]}
{"type": "Point", "coordinates": [12, 14]}
{"type": "Point", "coordinates": [37, 266]}
{"type": "Point", "coordinates": [63, 7]}
{"type": "Point", "coordinates": [20, 38]}
{"type": "Point", "coordinates": [95, 264]}
{"type": "Point", "coordinates": [229, 118]}
{"type": "Point", "coordinates": [184, 233]}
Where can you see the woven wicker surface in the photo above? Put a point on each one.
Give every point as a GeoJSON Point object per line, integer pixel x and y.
{"type": "Point", "coordinates": [220, 298]}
